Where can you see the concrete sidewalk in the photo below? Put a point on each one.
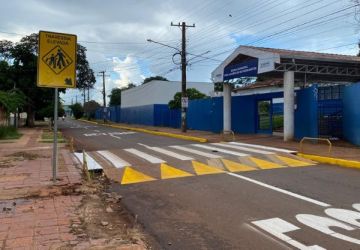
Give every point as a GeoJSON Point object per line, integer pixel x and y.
{"type": "Point", "coordinates": [34, 213]}
{"type": "Point", "coordinates": [340, 149]}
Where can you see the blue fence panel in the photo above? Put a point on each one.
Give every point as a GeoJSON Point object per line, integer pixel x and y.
{"type": "Point", "coordinates": [205, 114]}
{"type": "Point", "coordinates": [306, 113]}
{"type": "Point", "coordinates": [175, 118]}
{"type": "Point", "coordinates": [161, 115]}
{"type": "Point", "coordinates": [351, 113]}
{"type": "Point", "coordinates": [143, 115]}
{"type": "Point", "coordinates": [243, 114]}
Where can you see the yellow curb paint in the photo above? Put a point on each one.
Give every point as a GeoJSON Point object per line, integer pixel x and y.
{"type": "Point", "coordinates": [263, 164]}
{"type": "Point", "coordinates": [133, 176]}
{"type": "Point", "coordinates": [168, 172]}
{"type": "Point", "coordinates": [333, 161]}
{"type": "Point", "coordinates": [88, 121]}
{"type": "Point", "coordinates": [292, 162]}
{"type": "Point", "coordinates": [202, 169]}
{"type": "Point", "coordinates": [236, 167]}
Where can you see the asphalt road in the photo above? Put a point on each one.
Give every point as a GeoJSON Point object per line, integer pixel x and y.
{"type": "Point", "coordinates": [183, 205]}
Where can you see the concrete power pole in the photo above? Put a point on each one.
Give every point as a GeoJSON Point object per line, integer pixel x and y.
{"type": "Point", "coordinates": [184, 99]}
{"type": "Point", "coordinates": [102, 73]}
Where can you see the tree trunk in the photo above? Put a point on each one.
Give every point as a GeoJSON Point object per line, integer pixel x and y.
{"type": "Point", "coordinates": [30, 120]}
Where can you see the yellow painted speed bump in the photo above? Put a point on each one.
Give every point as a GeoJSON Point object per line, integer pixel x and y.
{"type": "Point", "coordinates": [263, 164]}
{"type": "Point", "coordinates": [236, 167]}
{"type": "Point", "coordinates": [202, 169]}
{"type": "Point", "coordinates": [168, 172]}
{"type": "Point", "coordinates": [133, 176]}
{"type": "Point", "coordinates": [292, 162]}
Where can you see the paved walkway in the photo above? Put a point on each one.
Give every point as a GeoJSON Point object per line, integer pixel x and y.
{"type": "Point", "coordinates": [33, 212]}
{"type": "Point", "coordinates": [340, 149]}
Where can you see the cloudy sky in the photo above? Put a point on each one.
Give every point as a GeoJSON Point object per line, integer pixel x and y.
{"type": "Point", "coordinates": [115, 32]}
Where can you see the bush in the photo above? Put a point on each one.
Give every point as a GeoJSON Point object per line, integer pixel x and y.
{"type": "Point", "coordinates": [8, 133]}
{"type": "Point", "coordinates": [77, 110]}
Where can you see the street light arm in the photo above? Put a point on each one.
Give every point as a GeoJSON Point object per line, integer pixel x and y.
{"type": "Point", "coordinates": [163, 44]}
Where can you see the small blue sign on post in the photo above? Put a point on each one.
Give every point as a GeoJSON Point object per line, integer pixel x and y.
{"type": "Point", "coordinates": [245, 69]}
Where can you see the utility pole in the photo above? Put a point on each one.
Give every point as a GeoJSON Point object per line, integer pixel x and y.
{"type": "Point", "coordinates": [88, 90]}
{"type": "Point", "coordinates": [102, 73]}
{"type": "Point", "coordinates": [76, 99]}
{"type": "Point", "coordinates": [184, 100]}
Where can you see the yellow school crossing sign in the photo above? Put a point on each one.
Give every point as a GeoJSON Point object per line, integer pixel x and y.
{"type": "Point", "coordinates": [56, 60]}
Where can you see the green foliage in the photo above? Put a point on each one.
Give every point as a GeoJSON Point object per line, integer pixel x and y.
{"type": "Point", "coordinates": [115, 97]}
{"type": "Point", "coordinates": [191, 93]}
{"type": "Point", "coordinates": [12, 99]}
{"type": "Point", "coordinates": [218, 86]}
{"type": "Point", "coordinates": [149, 79]}
{"type": "Point", "coordinates": [90, 108]}
{"type": "Point", "coordinates": [77, 110]}
{"type": "Point", "coordinates": [8, 133]}
{"type": "Point", "coordinates": [48, 111]}
{"type": "Point", "coordinates": [18, 66]}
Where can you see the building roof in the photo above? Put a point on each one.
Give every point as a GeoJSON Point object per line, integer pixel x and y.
{"type": "Point", "coordinates": [308, 55]}
{"type": "Point", "coordinates": [271, 61]}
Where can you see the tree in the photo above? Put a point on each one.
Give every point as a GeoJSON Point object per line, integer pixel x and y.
{"type": "Point", "coordinates": [85, 77]}
{"type": "Point", "coordinates": [77, 110]}
{"type": "Point", "coordinates": [115, 96]}
{"type": "Point", "coordinates": [90, 108]}
{"type": "Point", "coordinates": [149, 79]}
{"type": "Point", "coordinates": [218, 86]}
{"type": "Point", "coordinates": [18, 65]}
{"type": "Point", "coordinates": [191, 93]}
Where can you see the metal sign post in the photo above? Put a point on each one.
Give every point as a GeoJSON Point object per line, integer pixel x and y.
{"type": "Point", "coordinates": [56, 69]}
{"type": "Point", "coordinates": [54, 160]}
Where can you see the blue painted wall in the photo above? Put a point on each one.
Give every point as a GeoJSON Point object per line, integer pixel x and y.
{"type": "Point", "coordinates": [206, 114]}
{"type": "Point", "coordinates": [351, 113]}
{"type": "Point", "coordinates": [306, 113]}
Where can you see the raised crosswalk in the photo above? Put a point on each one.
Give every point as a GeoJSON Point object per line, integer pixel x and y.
{"type": "Point", "coordinates": [147, 163]}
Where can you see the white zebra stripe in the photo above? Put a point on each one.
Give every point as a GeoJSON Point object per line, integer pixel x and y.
{"type": "Point", "coordinates": [91, 163]}
{"type": "Point", "coordinates": [171, 154]}
{"type": "Point", "coordinates": [264, 147]}
{"type": "Point", "coordinates": [197, 152]}
{"type": "Point", "coordinates": [243, 148]}
{"type": "Point", "coordinates": [145, 156]}
{"type": "Point", "coordinates": [220, 150]}
{"type": "Point", "coordinates": [114, 159]}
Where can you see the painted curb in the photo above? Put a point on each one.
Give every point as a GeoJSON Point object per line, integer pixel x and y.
{"type": "Point", "coordinates": [333, 161]}
{"type": "Point", "coordinates": [184, 137]}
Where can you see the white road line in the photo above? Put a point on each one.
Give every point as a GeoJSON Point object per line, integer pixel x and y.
{"type": "Point", "coordinates": [143, 155]}
{"type": "Point", "coordinates": [169, 153]}
{"type": "Point", "coordinates": [220, 150]}
{"type": "Point", "coordinates": [91, 163]}
{"type": "Point", "coordinates": [117, 137]}
{"type": "Point", "coordinates": [301, 197]}
{"type": "Point", "coordinates": [278, 227]}
{"type": "Point", "coordinates": [244, 148]}
{"type": "Point", "coordinates": [197, 152]}
{"type": "Point", "coordinates": [114, 159]}
{"type": "Point", "coordinates": [264, 147]}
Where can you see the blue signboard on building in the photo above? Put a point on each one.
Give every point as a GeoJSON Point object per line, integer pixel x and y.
{"type": "Point", "coordinates": [245, 69]}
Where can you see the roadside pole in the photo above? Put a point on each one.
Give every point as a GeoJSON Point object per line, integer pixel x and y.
{"type": "Point", "coordinates": [55, 156]}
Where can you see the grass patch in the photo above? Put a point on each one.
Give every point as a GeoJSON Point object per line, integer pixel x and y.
{"type": "Point", "coordinates": [9, 133]}
{"type": "Point", "coordinates": [48, 136]}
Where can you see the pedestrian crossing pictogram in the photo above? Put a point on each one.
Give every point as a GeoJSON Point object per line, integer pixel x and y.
{"type": "Point", "coordinates": [57, 60]}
